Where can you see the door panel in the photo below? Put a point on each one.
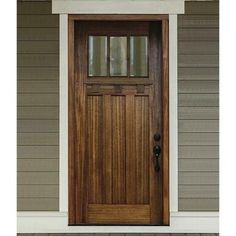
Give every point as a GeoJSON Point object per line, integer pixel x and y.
{"type": "Point", "coordinates": [114, 177]}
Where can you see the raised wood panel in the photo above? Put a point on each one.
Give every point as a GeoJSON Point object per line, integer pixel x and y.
{"type": "Point", "coordinates": [37, 73]}
{"type": "Point", "coordinates": [37, 204]}
{"type": "Point", "coordinates": [196, 204]}
{"type": "Point", "coordinates": [198, 152]}
{"type": "Point", "coordinates": [38, 47]}
{"type": "Point", "coordinates": [36, 21]}
{"type": "Point", "coordinates": [118, 123]}
{"type": "Point", "coordinates": [198, 126]}
{"type": "Point", "coordinates": [34, 139]}
{"type": "Point", "coordinates": [40, 113]}
{"type": "Point", "coordinates": [198, 21]}
{"type": "Point", "coordinates": [38, 100]}
{"type": "Point", "coordinates": [47, 152]}
{"type": "Point", "coordinates": [199, 191]}
{"type": "Point", "coordinates": [197, 139]}
{"type": "Point", "coordinates": [198, 100]}
{"type": "Point", "coordinates": [38, 34]}
{"type": "Point", "coordinates": [198, 87]}
{"type": "Point", "coordinates": [111, 214]}
{"type": "Point", "coordinates": [101, 110]}
{"type": "Point", "coordinates": [200, 74]}
{"type": "Point", "coordinates": [198, 178]}
{"type": "Point", "coordinates": [38, 178]}
{"type": "Point", "coordinates": [198, 47]}
{"type": "Point", "coordinates": [207, 165]}
{"type": "Point", "coordinates": [37, 191]}
{"type": "Point", "coordinates": [199, 35]}
{"type": "Point", "coordinates": [198, 61]}
{"type": "Point", "coordinates": [46, 86]}
{"type": "Point", "coordinates": [37, 165]}
{"type": "Point", "coordinates": [201, 113]}
{"type": "Point", "coordinates": [34, 8]}
{"type": "Point", "coordinates": [41, 126]}
{"type": "Point", "coordinates": [207, 7]}
{"type": "Point", "coordinates": [34, 60]}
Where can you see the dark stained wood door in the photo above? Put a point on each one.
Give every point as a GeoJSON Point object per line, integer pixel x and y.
{"type": "Point", "coordinates": [116, 108]}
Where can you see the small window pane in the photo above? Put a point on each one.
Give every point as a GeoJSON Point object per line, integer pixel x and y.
{"type": "Point", "coordinates": [138, 56]}
{"type": "Point", "coordinates": [118, 56]}
{"type": "Point", "coordinates": [97, 55]}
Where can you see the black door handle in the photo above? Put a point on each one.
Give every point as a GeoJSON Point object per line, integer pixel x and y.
{"type": "Point", "coordinates": [157, 152]}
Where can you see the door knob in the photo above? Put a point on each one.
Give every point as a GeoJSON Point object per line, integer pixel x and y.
{"type": "Point", "coordinates": [157, 137]}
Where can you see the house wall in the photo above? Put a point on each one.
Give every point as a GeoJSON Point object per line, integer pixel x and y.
{"type": "Point", "coordinates": [198, 118]}
{"type": "Point", "coordinates": [38, 106]}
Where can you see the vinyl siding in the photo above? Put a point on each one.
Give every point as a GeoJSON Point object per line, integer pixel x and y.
{"type": "Point", "coordinates": [198, 114]}
{"type": "Point", "coordinates": [38, 107]}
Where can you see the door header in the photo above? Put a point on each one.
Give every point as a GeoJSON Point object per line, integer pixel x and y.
{"type": "Point", "coordinates": [118, 7]}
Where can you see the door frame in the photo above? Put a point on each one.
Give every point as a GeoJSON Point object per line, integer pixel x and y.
{"type": "Point", "coordinates": [72, 172]}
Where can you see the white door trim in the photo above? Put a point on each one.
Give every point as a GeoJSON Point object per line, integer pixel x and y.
{"type": "Point", "coordinates": [173, 114]}
{"type": "Point", "coordinates": [57, 222]}
{"type": "Point", "coordinates": [63, 115]}
{"type": "Point", "coordinates": [118, 7]}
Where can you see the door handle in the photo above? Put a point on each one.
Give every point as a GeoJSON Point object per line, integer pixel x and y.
{"type": "Point", "coordinates": [157, 152]}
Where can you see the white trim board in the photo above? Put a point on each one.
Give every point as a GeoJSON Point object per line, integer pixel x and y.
{"type": "Point", "coordinates": [57, 222]}
{"type": "Point", "coordinates": [173, 119]}
{"type": "Point", "coordinates": [118, 7]}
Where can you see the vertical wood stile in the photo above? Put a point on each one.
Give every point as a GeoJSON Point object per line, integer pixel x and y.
{"type": "Point", "coordinates": [142, 152]}
{"type": "Point", "coordinates": [80, 101]}
{"type": "Point", "coordinates": [107, 153]}
{"type": "Point", "coordinates": [94, 148]}
{"type": "Point", "coordinates": [155, 121]}
{"type": "Point", "coordinates": [165, 125]}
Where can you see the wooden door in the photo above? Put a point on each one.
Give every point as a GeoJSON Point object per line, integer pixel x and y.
{"type": "Point", "coordinates": [118, 170]}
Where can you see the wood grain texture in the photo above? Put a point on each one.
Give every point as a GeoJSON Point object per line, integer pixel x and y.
{"type": "Point", "coordinates": [118, 214]}
{"type": "Point", "coordinates": [165, 120]}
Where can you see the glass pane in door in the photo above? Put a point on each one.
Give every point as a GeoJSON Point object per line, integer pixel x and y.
{"type": "Point", "coordinates": [138, 56]}
{"type": "Point", "coordinates": [118, 56]}
{"type": "Point", "coordinates": [97, 55]}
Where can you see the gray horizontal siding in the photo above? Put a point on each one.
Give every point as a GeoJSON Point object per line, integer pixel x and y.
{"type": "Point", "coordinates": [38, 107]}
{"type": "Point", "coordinates": [198, 112]}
